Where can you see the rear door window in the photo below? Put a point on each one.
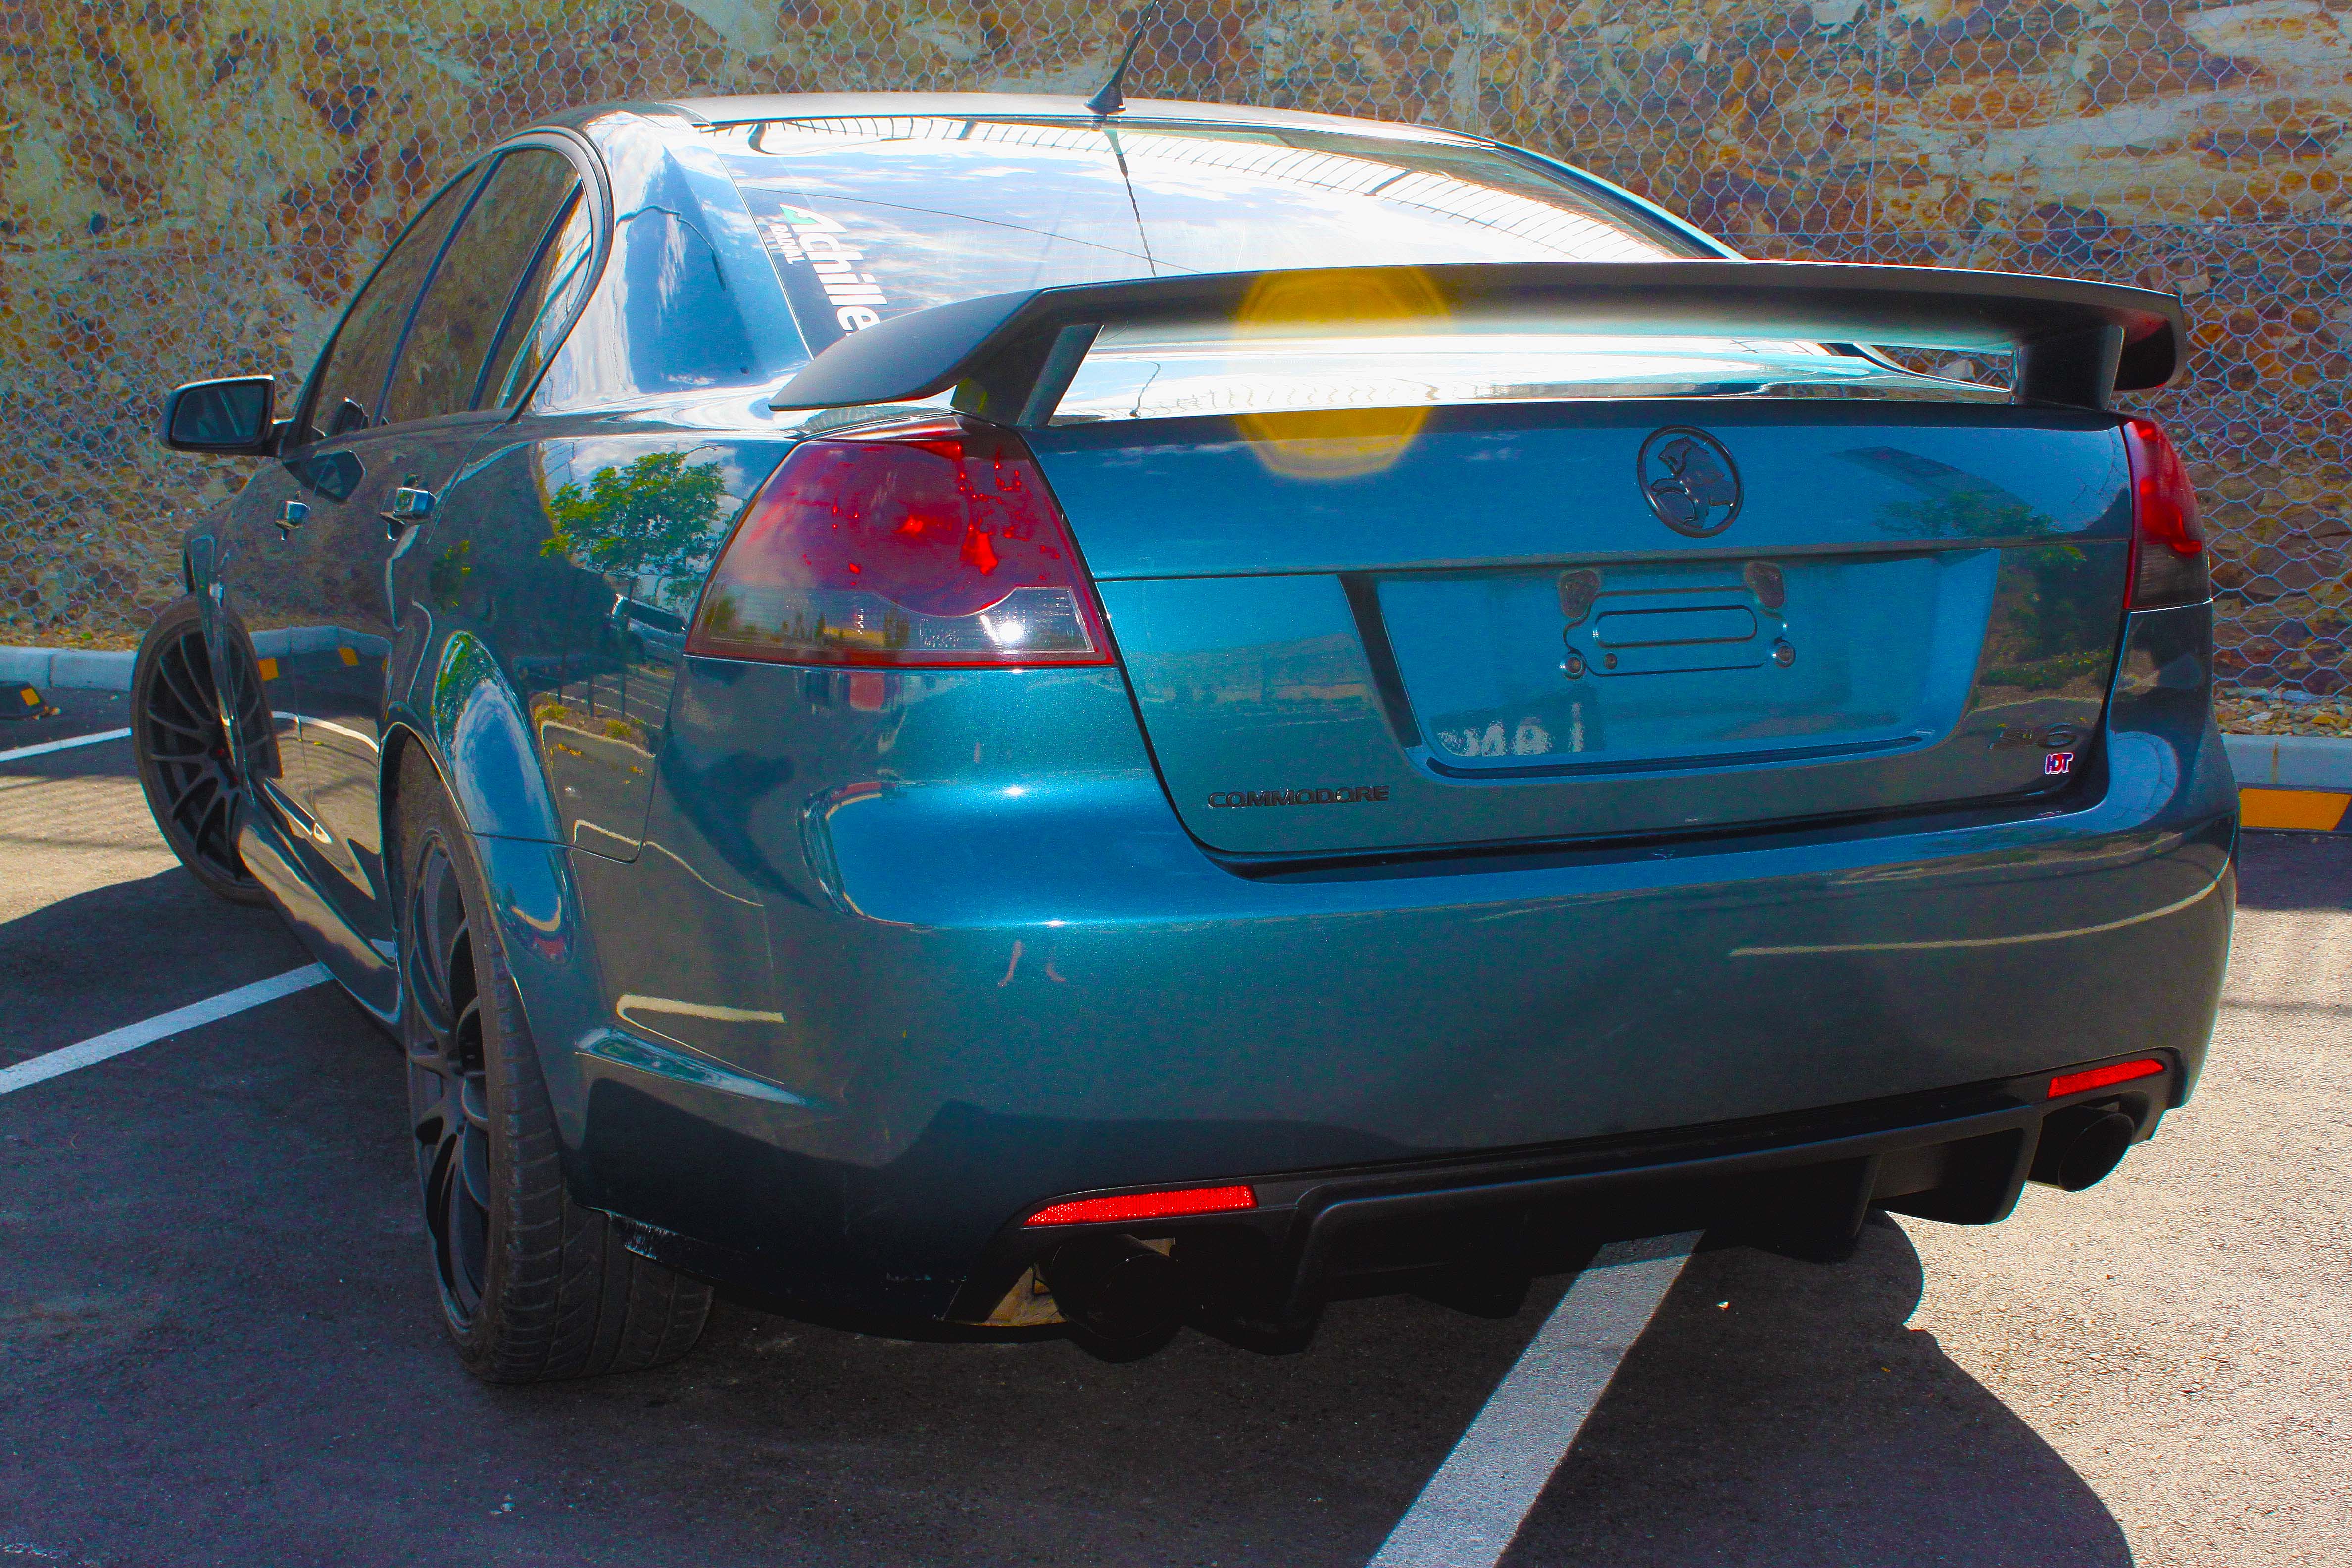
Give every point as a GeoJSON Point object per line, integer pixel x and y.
{"type": "Point", "coordinates": [541, 307]}
{"type": "Point", "coordinates": [348, 390]}
{"type": "Point", "coordinates": [456, 322]}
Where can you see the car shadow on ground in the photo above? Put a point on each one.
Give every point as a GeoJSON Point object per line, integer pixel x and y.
{"type": "Point", "coordinates": [214, 1243]}
{"type": "Point", "coordinates": [260, 1336]}
{"type": "Point", "coordinates": [2296, 871]}
{"type": "Point", "coordinates": [1777, 1412]}
{"type": "Point", "coordinates": [112, 955]}
{"type": "Point", "coordinates": [1780, 1412]}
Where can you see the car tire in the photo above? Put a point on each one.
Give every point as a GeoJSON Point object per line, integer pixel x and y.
{"type": "Point", "coordinates": [533, 1286]}
{"type": "Point", "coordinates": [186, 766]}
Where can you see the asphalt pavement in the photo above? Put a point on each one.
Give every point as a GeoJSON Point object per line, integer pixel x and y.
{"type": "Point", "coordinates": [217, 1342]}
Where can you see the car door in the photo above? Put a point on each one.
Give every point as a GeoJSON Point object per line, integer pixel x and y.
{"type": "Point", "coordinates": [378, 568]}
{"type": "Point", "coordinates": [268, 609]}
{"type": "Point", "coordinates": [335, 457]}
{"type": "Point", "coordinates": [242, 569]}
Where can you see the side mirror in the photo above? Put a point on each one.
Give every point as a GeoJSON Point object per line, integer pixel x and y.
{"type": "Point", "coordinates": [226, 417]}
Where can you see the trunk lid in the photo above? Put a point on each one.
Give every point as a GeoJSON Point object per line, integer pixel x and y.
{"type": "Point", "coordinates": [1494, 622]}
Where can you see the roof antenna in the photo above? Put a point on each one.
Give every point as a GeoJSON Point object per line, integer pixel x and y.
{"type": "Point", "coordinates": [1107, 101]}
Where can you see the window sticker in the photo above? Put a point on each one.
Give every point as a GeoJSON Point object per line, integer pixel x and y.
{"type": "Point", "coordinates": [824, 272]}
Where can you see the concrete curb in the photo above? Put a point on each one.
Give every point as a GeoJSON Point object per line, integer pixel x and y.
{"type": "Point", "coordinates": [2291, 762]}
{"type": "Point", "coordinates": [68, 668]}
{"type": "Point", "coordinates": [2299, 783]}
{"type": "Point", "coordinates": [81, 670]}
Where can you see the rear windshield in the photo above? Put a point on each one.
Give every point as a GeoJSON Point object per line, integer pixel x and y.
{"type": "Point", "coordinates": [865, 219]}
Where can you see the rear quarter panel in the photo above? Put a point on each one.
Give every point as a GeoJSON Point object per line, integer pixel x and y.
{"type": "Point", "coordinates": [567, 557]}
{"type": "Point", "coordinates": [536, 661]}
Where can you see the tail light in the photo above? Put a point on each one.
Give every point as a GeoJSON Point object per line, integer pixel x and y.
{"type": "Point", "coordinates": [2168, 548]}
{"type": "Point", "coordinates": [925, 545]}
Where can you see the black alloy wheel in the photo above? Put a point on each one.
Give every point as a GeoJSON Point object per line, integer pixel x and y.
{"type": "Point", "coordinates": [186, 766]}
{"type": "Point", "coordinates": [533, 1285]}
{"type": "Point", "coordinates": [449, 1092]}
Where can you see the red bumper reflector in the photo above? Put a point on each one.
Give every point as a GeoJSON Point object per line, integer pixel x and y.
{"type": "Point", "coordinates": [2099, 1077]}
{"type": "Point", "coordinates": [1147, 1205]}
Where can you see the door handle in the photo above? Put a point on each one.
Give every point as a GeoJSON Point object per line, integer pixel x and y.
{"type": "Point", "coordinates": [409, 504]}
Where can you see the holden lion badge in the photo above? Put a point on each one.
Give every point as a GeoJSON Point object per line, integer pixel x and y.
{"type": "Point", "coordinates": [1689, 480]}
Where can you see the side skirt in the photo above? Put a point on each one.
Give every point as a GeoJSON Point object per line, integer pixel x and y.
{"type": "Point", "coordinates": [356, 965]}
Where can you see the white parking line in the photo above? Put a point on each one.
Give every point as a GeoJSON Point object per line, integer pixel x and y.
{"type": "Point", "coordinates": [1470, 1510]}
{"type": "Point", "coordinates": [64, 745]}
{"type": "Point", "coordinates": [130, 1036]}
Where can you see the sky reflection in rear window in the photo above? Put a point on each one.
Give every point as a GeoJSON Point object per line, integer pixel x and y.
{"type": "Point", "coordinates": [867, 219]}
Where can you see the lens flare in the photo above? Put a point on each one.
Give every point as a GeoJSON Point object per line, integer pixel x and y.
{"type": "Point", "coordinates": [1346, 442]}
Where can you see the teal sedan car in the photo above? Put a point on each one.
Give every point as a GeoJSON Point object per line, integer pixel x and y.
{"type": "Point", "coordinates": [977, 711]}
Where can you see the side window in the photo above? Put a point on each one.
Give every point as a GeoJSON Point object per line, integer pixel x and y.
{"type": "Point", "coordinates": [351, 377]}
{"type": "Point", "coordinates": [661, 321]}
{"type": "Point", "coordinates": [458, 318]}
{"type": "Point", "coordinates": [536, 316]}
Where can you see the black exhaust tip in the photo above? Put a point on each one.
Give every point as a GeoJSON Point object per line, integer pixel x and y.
{"type": "Point", "coordinates": [2080, 1145]}
{"type": "Point", "coordinates": [1115, 1288]}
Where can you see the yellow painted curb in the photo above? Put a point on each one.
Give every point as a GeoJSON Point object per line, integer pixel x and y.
{"type": "Point", "coordinates": [2311, 810]}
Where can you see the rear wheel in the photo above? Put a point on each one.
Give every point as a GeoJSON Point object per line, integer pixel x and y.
{"type": "Point", "coordinates": [533, 1287]}
{"type": "Point", "coordinates": [186, 763]}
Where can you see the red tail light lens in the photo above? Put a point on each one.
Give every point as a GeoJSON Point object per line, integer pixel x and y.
{"type": "Point", "coordinates": [1131, 1206]}
{"type": "Point", "coordinates": [2100, 1078]}
{"type": "Point", "coordinates": [936, 544]}
{"type": "Point", "coordinates": [2168, 548]}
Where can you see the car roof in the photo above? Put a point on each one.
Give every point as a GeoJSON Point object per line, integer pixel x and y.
{"type": "Point", "coordinates": [755, 107]}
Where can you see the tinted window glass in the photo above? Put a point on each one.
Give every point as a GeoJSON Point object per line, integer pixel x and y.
{"type": "Point", "coordinates": [457, 319]}
{"type": "Point", "coordinates": [868, 218]}
{"type": "Point", "coordinates": [662, 321]}
{"type": "Point", "coordinates": [536, 315]}
{"type": "Point", "coordinates": [351, 377]}
{"type": "Point", "coordinates": [1212, 204]}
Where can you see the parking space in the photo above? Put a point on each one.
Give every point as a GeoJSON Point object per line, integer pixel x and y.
{"type": "Point", "coordinates": [216, 1341]}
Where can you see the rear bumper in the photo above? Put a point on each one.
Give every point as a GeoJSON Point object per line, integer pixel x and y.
{"type": "Point", "coordinates": [1804, 1181]}
{"type": "Point", "coordinates": [988, 995]}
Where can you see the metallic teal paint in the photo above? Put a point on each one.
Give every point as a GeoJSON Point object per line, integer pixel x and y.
{"type": "Point", "coordinates": [1020, 976]}
{"type": "Point", "coordinates": [1489, 485]}
{"type": "Point", "coordinates": [835, 974]}
{"type": "Point", "coordinates": [481, 738]}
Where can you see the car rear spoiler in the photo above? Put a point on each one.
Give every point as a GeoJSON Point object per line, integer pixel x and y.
{"type": "Point", "coordinates": [1011, 356]}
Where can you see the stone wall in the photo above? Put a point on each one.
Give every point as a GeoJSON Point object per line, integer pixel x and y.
{"type": "Point", "coordinates": [189, 187]}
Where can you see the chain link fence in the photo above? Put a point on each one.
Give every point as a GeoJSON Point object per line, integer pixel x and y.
{"type": "Point", "coordinates": [192, 188]}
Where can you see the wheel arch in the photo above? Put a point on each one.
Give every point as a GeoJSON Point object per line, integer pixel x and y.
{"type": "Point", "coordinates": [475, 727]}
{"type": "Point", "coordinates": [543, 1289]}
{"type": "Point", "coordinates": [473, 735]}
